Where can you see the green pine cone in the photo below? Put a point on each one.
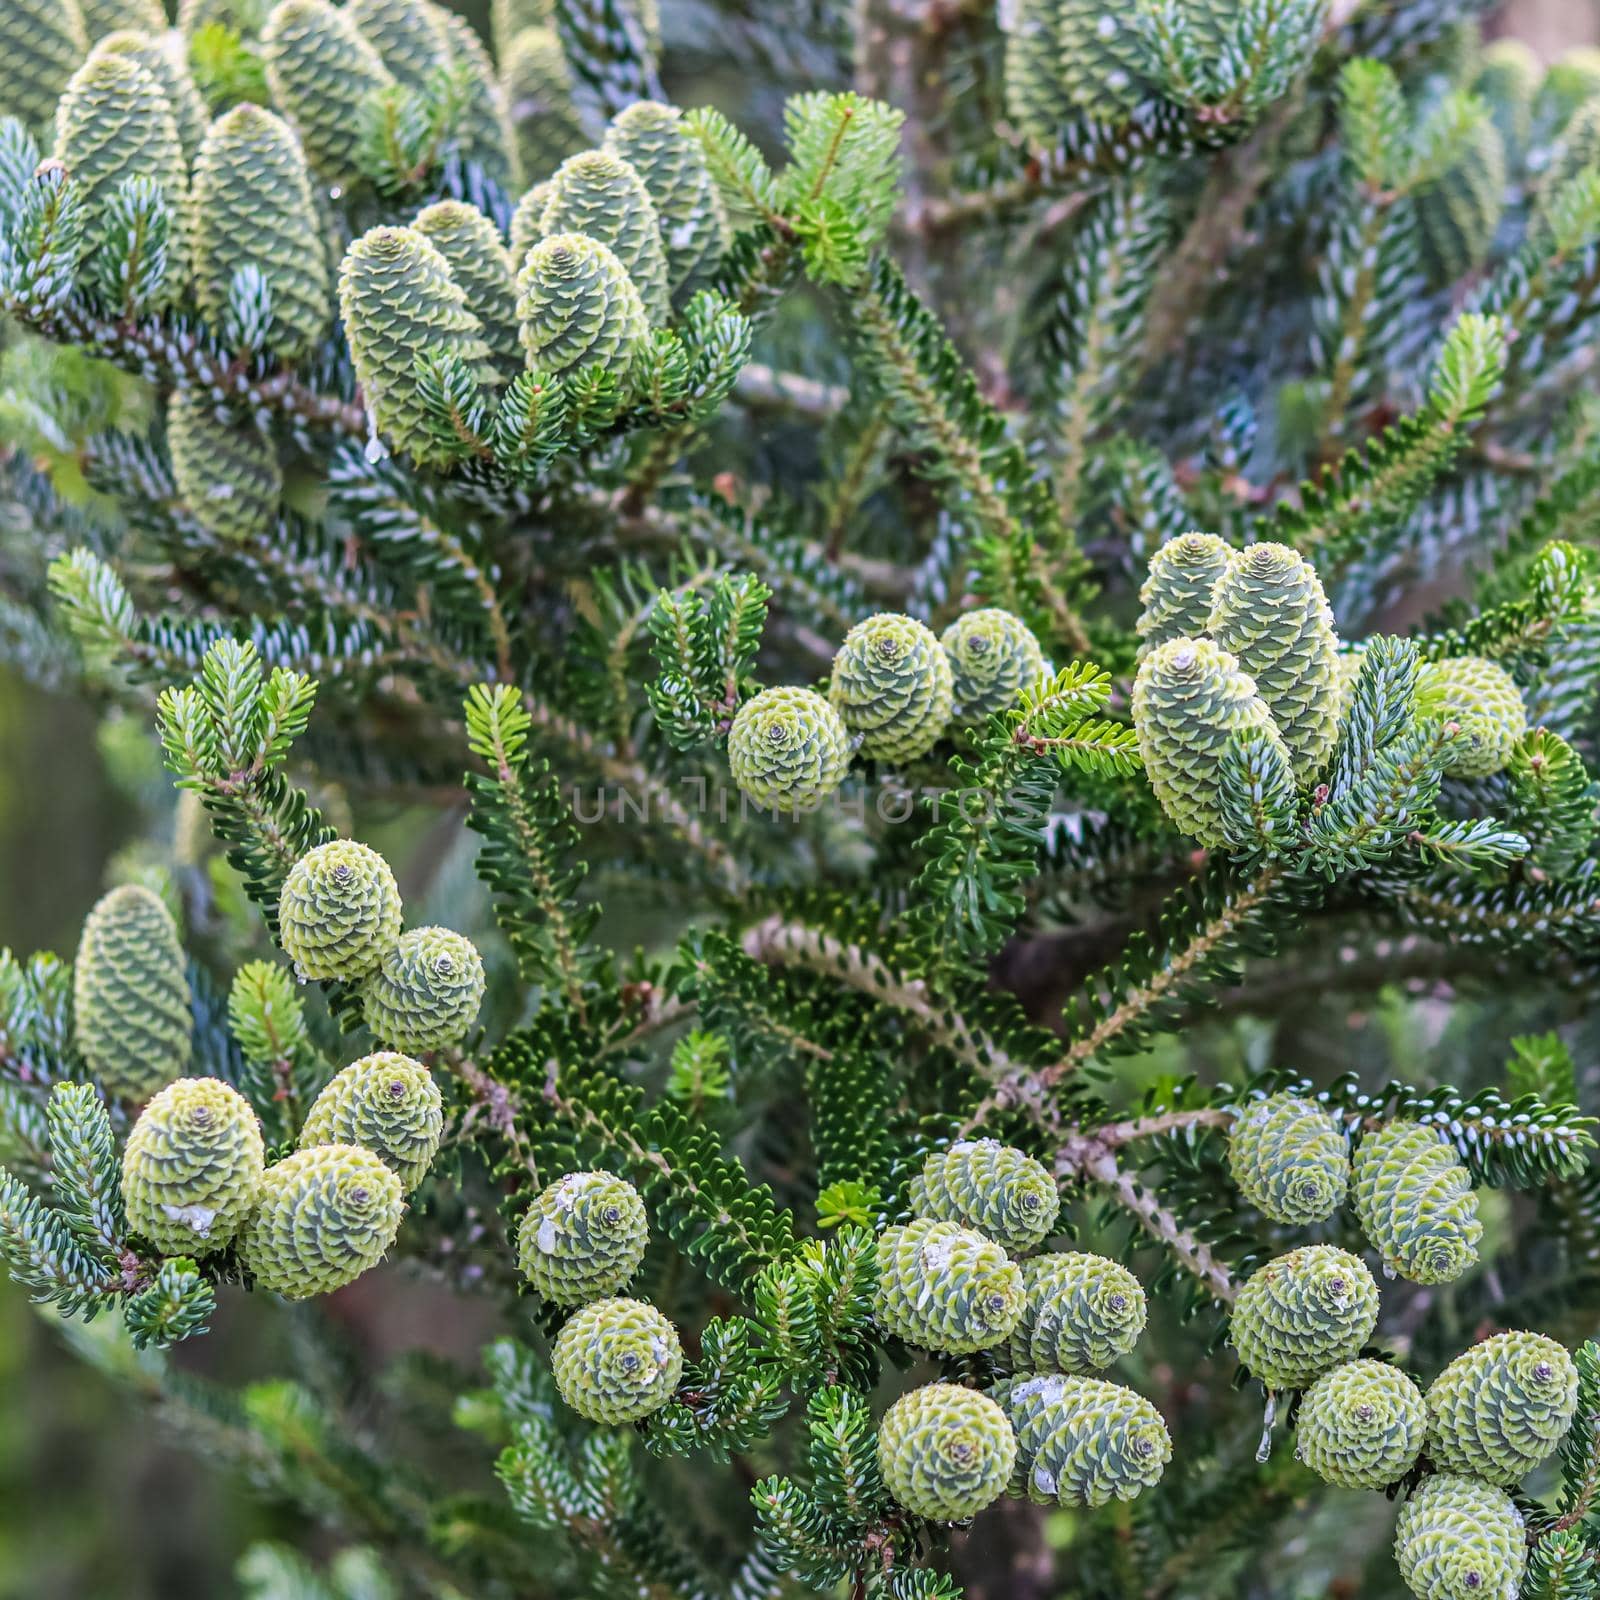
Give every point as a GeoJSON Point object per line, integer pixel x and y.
{"type": "Point", "coordinates": [577, 307]}
{"type": "Point", "coordinates": [1482, 697]}
{"type": "Point", "coordinates": [1290, 1159]}
{"type": "Point", "coordinates": [582, 1238]}
{"type": "Point", "coordinates": [1458, 1539]}
{"type": "Point", "coordinates": [1361, 1425]}
{"type": "Point", "coordinates": [1502, 1407]}
{"type": "Point", "coordinates": [324, 1216]}
{"type": "Point", "coordinates": [1104, 59]}
{"type": "Point", "coordinates": [1178, 588]}
{"type": "Point", "coordinates": [1414, 1201]}
{"type": "Point", "coordinates": [1508, 80]}
{"type": "Point", "coordinates": [408, 35]}
{"type": "Point", "coordinates": [338, 911]}
{"type": "Point", "coordinates": [226, 472]}
{"type": "Point", "coordinates": [539, 89]}
{"type": "Point", "coordinates": [600, 196]}
{"type": "Point", "coordinates": [1302, 1313]}
{"type": "Point", "coordinates": [616, 1361]}
{"type": "Point", "coordinates": [483, 131]}
{"type": "Point", "coordinates": [130, 990]}
{"type": "Point", "coordinates": [252, 207]}
{"type": "Point", "coordinates": [892, 687]}
{"type": "Point", "coordinates": [42, 43]}
{"type": "Point", "coordinates": [1082, 1441]}
{"type": "Point", "coordinates": [426, 992]}
{"type": "Point", "coordinates": [787, 749]}
{"type": "Point", "coordinates": [399, 301]}
{"type": "Point", "coordinates": [321, 71]}
{"type": "Point", "coordinates": [944, 1288]}
{"type": "Point", "coordinates": [1036, 96]}
{"type": "Point", "coordinates": [1080, 1313]}
{"type": "Point", "coordinates": [103, 17]}
{"type": "Point", "coordinates": [114, 123]}
{"type": "Point", "coordinates": [161, 54]}
{"type": "Point", "coordinates": [192, 1167]}
{"type": "Point", "coordinates": [386, 1103]}
{"type": "Point", "coordinates": [991, 1188]}
{"type": "Point", "coordinates": [526, 218]}
{"type": "Point", "coordinates": [1270, 614]}
{"type": "Point", "coordinates": [993, 657]}
{"type": "Point", "coordinates": [651, 138]}
{"type": "Point", "coordinates": [1459, 210]}
{"type": "Point", "coordinates": [1189, 701]}
{"type": "Point", "coordinates": [945, 1452]}
{"type": "Point", "coordinates": [478, 261]}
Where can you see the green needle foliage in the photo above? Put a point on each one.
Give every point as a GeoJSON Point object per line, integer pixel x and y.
{"type": "Point", "coordinates": [979, 661]}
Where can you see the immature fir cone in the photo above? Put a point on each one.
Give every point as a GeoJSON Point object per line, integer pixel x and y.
{"type": "Point", "coordinates": [161, 54]}
{"type": "Point", "coordinates": [991, 1188]}
{"type": "Point", "coordinates": [321, 71]}
{"type": "Point", "coordinates": [1508, 79]}
{"type": "Point", "coordinates": [993, 657]}
{"type": "Point", "coordinates": [479, 263]}
{"type": "Point", "coordinates": [1190, 700]}
{"type": "Point", "coordinates": [426, 992]}
{"type": "Point", "coordinates": [1178, 588]}
{"type": "Point", "coordinates": [252, 208]}
{"type": "Point", "coordinates": [1082, 1441]}
{"type": "Point", "coordinates": [1414, 1201]}
{"type": "Point", "coordinates": [1302, 1313]}
{"type": "Point", "coordinates": [787, 749]}
{"type": "Point", "coordinates": [1036, 98]}
{"type": "Point", "coordinates": [102, 17]}
{"type": "Point", "coordinates": [527, 225]}
{"type": "Point", "coordinates": [338, 911]}
{"type": "Point", "coordinates": [944, 1288]}
{"type": "Point", "coordinates": [1104, 59]}
{"type": "Point", "coordinates": [582, 1238]}
{"type": "Point", "coordinates": [1290, 1159]}
{"type": "Point", "coordinates": [398, 301]}
{"type": "Point", "coordinates": [1502, 1407]}
{"type": "Point", "coordinates": [483, 131]}
{"type": "Point", "coordinates": [1269, 612]}
{"type": "Point", "coordinates": [386, 1103]}
{"type": "Point", "coordinates": [1458, 1539]}
{"type": "Point", "coordinates": [616, 1361]}
{"type": "Point", "coordinates": [324, 1216]}
{"type": "Point", "coordinates": [945, 1452]}
{"type": "Point", "coordinates": [600, 196]}
{"type": "Point", "coordinates": [226, 470]}
{"type": "Point", "coordinates": [1080, 1312]}
{"type": "Point", "coordinates": [892, 687]}
{"type": "Point", "coordinates": [407, 34]}
{"type": "Point", "coordinates": [577, 307]}
{"type": "Point", "coordinates": [130, 994]}
{"type": "Point", "coordinates": [1483, 698]}
{"type": "Point", "coordinates": [651, 138]}
{"type": "Point", "coordinates": [192, 1167]}
{"type": "Point", "coordinates": [42, 43]}
{"type": "Point", "coordinates": [1459, 210]}
{"type": "Point", "coordinates": [539, 89]}
{"type": "Point", "coordinates": [1361, 1425]}
{"type": "Point", "coordinates": [243, 17]}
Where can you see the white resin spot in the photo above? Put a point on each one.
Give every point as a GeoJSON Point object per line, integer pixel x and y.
{"type": "Point", "coordinates": [546, 1237]}
{"type": "Point", "coordinates": [1044, 1480]}
{"type": "Point", "coordinates": [196, 1218]}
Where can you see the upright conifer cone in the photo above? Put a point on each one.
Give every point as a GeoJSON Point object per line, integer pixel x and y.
{"type": "Point", "coordinates": [1302, 1313]}
{"type": "Point", "coordinates": [892, 687]}
{"type": "Point", "coordinates": [616, 1361]}
{"type": "Point", "coordinates": [102, 17]}
{"type": "Point", "coordinates": [991, 1188]}
{"type": "Point", "coordinates": [539, 89]}
{"type": "Point", "coordinates": [409, 36]}
{"type": "Point", "coordinates": [399, 301]}
{"type": "Point", "coordinates": [600, 196]}
{"type": "Point", "coordinates": [945, 1452]}
{"type": "Point", "coordinates": [1502, 1407]}
{"type": "Point", "coordinates": [993, 658]}
{"type": "Point", "coordinates": [1178, 588]}
{"type": "Point", "coordinates": [338, 911]}
{"type": "Point", "coordinates": [1105, 60]}
{"type": "Point", "coordinates": [386, 1103]}
{"type": "Point", "coordinates": [1290, 1159]}
{"type": "Point", "coordinates": [252, 208]}
{"type": "Point", "coordinates": [1080, 1312]}
{"type": "Point", "coordinates": [131, 994]}
{"type": "Point", "coordinates": [1269, 612]}
{"type": "Point", "coordinates": [1459, 211]}
{"type": "Point", "coordinates": [1189, 701]}
{"type": "Point", "coordinates": [226, 470]}
{"type": "Point", "coordinates": [321, 72]}
{"type": "Point", "coordinates": [1414, 1200]}
{"type": "Point", "coordinates": [1082, 1441]}
{"type": "Point", "coordinates": [192, 1167]}
{"type": "Point", "coordinates": [651, 138]}
{"type": "Point", "coordinates": [1036, 97]}
{"type": "Point", "coordinates": [1483, 698]}
{"type": "Point", "coordinates": [1361, 1425]}
{"type": "Point", "coordinates": [942, 1287]}
{"type": "Point", "coordinates": [787, 749]}
{"type": "Point", "coordinates": [582, 1238]}
{"type": "Point", "coordinates": [161, 54]}
{"type": "Point", "coordinates": [577, 307]}
{"type": "Point", "coordinates": [42, 43]}
{"type": "Point", "coordinates": [1458, 1539]}
{"type": "Point", "coordinates": [324, 1216]}
{"type": "Point", "coordinates": [479, 264]}
{"type": "Point", "coordinates": [426, 992]}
